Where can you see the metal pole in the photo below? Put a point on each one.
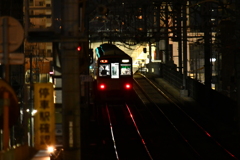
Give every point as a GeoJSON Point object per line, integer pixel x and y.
{"type": "Point", "coordinates": [6, 76]}
{"type": "Point", "coordinates": [207, 50]}
{"type": "Point", "coordinates": [5, 49]}
{"type": "Point", "coordinates": [184, 47]}
{"type": "Point", "coordinates": [31, 103]}
{"type": "Point", "coordinates": [166, 33]}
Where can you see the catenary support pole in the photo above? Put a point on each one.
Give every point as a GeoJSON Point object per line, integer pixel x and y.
{"type": "Point", "coordinates": [185, 58]}
{"type": "Point", "coordinates": [71, 80]}
{"type": "Point", "coordinates": [206, 8]}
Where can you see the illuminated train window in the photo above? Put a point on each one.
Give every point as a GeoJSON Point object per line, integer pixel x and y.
{"type": "Point", "coordinates": [114, 70]}
{"type": "Point", "coordinates": [125, 69]}
{"type": "Point", "coordinates": [104, 70]}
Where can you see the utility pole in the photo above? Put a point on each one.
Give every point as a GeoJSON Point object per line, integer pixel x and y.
{"type": "Point", "coordinates": [6, 76]}
{"type": "Point", "coordinates": [71, 80]}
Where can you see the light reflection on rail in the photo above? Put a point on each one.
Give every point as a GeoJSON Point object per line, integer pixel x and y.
{"type": "Point", "coordinates": [112, 134]}
{"type": "Point", "coordinates": [137, 130]}
{"type": "Point", "coordinates": [150, 156]}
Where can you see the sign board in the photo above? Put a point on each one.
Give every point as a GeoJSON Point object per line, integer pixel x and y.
{"type": "Point", "coordinates": [44, 119]}
{"type": "Point", "coordinates": [15, 33]}
{"type": "Point", "coordinates": [13, 58]}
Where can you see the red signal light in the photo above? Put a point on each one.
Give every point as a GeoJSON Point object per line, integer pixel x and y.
{"type": "Point", "coordinates": [102, 86]}
{"type": "Point", "coordinates": [78, 48]}
{"type": "Point", "coordinates": [128, 86]}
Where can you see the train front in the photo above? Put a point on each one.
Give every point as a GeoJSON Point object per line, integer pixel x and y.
{"type": "Point", "coordinates": [114, 78]}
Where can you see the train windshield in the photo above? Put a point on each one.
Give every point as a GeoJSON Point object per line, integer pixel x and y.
{"type": "Point", "coordinates": [125, 69]}
{"type": "Point", "coordinates": [114, 70]}
{"type": "Point", "coordinates": [104, 70]}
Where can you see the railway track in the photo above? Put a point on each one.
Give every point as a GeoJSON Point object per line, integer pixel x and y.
{"type": "Point", "coordinates": [178, 134]}
{"type": "Point", "coordinates": [152, 126]}
{"type": "Point", "coordinates": [120, 135]}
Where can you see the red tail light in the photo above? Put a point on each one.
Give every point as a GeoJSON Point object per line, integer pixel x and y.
{"type": "Point", "coordinates": [128, 86]}
{"type": "Point", "coordinates": [102, 86]}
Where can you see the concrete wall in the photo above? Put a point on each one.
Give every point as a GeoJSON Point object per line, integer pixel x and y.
{"type": "Point", "coordinates": [19, 153]}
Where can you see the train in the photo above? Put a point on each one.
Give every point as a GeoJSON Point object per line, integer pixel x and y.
{"type": "Point", "coordinates": [114, 74]}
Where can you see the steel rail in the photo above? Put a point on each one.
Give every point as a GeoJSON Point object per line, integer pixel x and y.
{"type": "Point", "coordinates": [112, 134]}
{"type": "Point", "coordinates": [143, 141]}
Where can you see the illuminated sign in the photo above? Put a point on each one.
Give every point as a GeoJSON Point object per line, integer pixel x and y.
{"type": "Point", "coordinates": [104, 61]}
{"type": "Point", "coordinates": [44, 119]}
{"type": "Point", "coordinates": [114, 70]}
{"type": "Point", "coordinates": [125, 60]}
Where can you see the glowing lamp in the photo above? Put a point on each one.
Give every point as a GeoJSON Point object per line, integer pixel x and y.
{"type": "Point", "coordinates": [78, 48]}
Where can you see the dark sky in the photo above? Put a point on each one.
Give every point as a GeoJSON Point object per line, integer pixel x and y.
{"type": "Point", "coordinates": [12, 8]}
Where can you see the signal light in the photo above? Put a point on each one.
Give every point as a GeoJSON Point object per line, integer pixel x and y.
{"type": "Point", "coordinates": [78, 48]}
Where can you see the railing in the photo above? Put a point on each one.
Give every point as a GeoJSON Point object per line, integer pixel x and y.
{"type": "Point", "coordinates": [169, 73]}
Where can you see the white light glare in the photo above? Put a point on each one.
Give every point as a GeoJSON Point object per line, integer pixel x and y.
{"type": "Point", "coordinates": [50, 149]}
{"type": "Point", "coordinates": [33, 112]}
{"type": "Point", "coordinates": [213, 59]}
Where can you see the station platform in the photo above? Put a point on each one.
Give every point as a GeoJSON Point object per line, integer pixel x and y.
{"type": "Point", "coordinates": [41, 155]}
